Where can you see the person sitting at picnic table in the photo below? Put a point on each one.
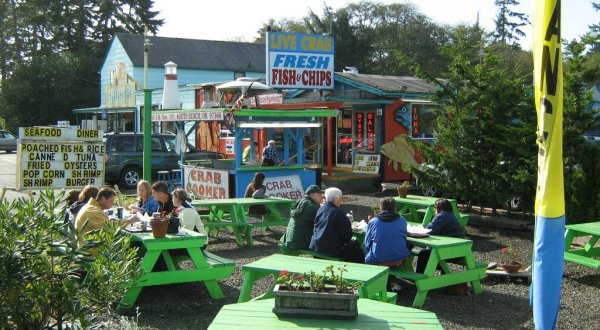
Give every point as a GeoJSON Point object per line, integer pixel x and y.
{"type": "Point", "coordinates": [271, 156]}
{"type": "Point", "coordinates": [189, 217]}
{"type": "Point", "coordinates": [302, 219]}
{"type": "Point", "coordinates": [246, 155]}
{"type": "Point", "coordinates": [145, 202]}
{"type": "Point", "coordinates": [160, 192]}
{"type": "Point", "coordinates": [444, 224]}
{"type": "Point", "coordinates": [92, 216]}
{"type": "Point", "coordinates": [385, 240]}
{"type": "Point", "coordinates": [332, 234]}
{"type": "Point", "coordinates": [256, 189]}
{"type": "Point", "coordinates": [89, 191]}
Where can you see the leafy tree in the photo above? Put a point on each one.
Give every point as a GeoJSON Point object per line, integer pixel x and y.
{"type": "Point", "coordinates": [48, 89]}
{"type": "Point", "coordinates": [51, 51]}
{"type": "Point", "coordinates": [509, 23]}
{"type": "Point", "coordinates": [367, 32]}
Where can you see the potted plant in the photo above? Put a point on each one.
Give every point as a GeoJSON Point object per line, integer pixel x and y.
{"type": "Point", "coordinates": [316, 296]}
{"type": "Point", "coordinates": [159, 224]}
{"type": "Point", "coordinates": [403, 189]}
{"type": "Point", "coordinates": [514, 265]}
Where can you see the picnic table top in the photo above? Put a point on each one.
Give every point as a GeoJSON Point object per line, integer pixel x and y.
{"type": "Point", "coordinates": [147, 237]}
{"type": "Point", "coordinates": [241, 201]}
{"type": "Point", "coordinates": [355, 272]}
{"type": "Point", "coordinates": [372, 314]}
{"type": "Point", "coordinates": [420, 200]}
{"type": "Point", "coordinates": [592, 228]}
{"type": "Point", "coordinates": [433, 241]}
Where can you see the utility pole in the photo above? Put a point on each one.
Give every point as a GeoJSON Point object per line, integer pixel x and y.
{"type": "Point", "coordinates": [147, 112]}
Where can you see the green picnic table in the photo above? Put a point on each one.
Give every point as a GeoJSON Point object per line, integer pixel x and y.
{"type": "Point", "coordinates": [372, 314]}
{"type": "Point", "coordinates": [208, 267]}
{"type": "Point", "coordinates": [587, 254]}
{"type": "Point", "coordinates": [421, 209]}
{"type": "Point", "coordinates": [373, 278]}
{"type": "Point", "coordinates": [442, 249]}
{"type": "Point", "coordinates": [231, 213]}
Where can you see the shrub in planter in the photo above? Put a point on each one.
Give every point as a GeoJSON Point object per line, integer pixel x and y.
{"type": "Point", "coordinates": [308, 295]}
{"type": "Point", "coordinates": [42, 267]}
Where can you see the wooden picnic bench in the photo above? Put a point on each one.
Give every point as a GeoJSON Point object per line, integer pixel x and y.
{"type": "Point", "coordinates": [207, 267]}
{"type": "Point", "coordinates": [231, 214]}
{"type": "Point", "coordinates": [421, 209]}
{"type": "Point", "coordinates": [442, 250]}
{"type": "Point", "coordinates": [585, 255]}
{"type": "Point", "coordinates": [373, 278]}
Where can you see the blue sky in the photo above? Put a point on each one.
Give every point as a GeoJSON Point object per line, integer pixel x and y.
{"type": "Point", "coordinates": [240, 19]}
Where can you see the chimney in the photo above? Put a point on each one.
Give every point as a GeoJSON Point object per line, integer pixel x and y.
{"type": "Point", "coordinates": [171, 89]}
{"type": "Point", "coordinates": [351, 69]}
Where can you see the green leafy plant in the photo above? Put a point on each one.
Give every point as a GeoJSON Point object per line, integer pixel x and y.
{"type": "Point", "coordinates": [48, 280]}
{"type": "Point", "coordinates": [406, 184]}
{"type": "Point", "coordinates": [514, 254]}
{"type": "Point", "coordinates": [318, 283]}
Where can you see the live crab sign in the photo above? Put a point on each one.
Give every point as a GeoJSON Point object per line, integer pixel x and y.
{"type": "Point", "coordinates": [300, 61]}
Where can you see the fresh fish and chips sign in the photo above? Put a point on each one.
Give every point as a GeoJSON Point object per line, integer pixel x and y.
{"type": "Point", "coordinates": [300, 61]}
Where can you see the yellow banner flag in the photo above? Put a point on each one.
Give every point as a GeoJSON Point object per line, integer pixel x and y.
{"type": "Point", "coordinates": [548, 81]}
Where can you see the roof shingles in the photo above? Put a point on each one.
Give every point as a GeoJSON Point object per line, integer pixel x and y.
{"type": "Point", "coordinates": [195, 54]}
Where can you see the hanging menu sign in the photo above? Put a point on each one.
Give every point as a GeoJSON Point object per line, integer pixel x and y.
{"type": "Point", "coordinates": [58, 157]}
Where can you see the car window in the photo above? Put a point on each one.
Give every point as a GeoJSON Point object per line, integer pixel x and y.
{"type": "Point", "coordinates": [9, 135]}
{"type": "Point", "coordinates": [122, 143]}
{"type": "Point", "coordinates": [1, 135]}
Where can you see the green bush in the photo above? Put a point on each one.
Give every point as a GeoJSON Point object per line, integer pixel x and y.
{"type": "Point", "coordinates": [50, 282]}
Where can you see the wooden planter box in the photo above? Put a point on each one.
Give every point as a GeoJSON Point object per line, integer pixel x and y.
{"type": "Point", "coordinates": [306, 304]}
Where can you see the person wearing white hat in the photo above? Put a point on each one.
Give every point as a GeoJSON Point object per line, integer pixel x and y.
{"type": "Point", "coordinates": [271, 156]}
{"type": "Point", "coordinates": [332, 234]}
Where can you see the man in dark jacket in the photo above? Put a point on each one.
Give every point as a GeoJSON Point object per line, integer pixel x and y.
{"type": "Point", "coordinates": [332, 235]}
{"type": "Point", "coordinates": [444, 224]}
{"type": "Point", "coordinates": [302, 219]}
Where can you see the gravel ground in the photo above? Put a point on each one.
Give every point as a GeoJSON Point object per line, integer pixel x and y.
{"type": "Point", "coordinates": [503, 304]}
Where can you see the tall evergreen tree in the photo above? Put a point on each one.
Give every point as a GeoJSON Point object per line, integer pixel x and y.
{"type": "Point", "coordinates": [509, 23]}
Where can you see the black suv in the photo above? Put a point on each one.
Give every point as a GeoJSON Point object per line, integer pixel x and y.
{"type": "Point", "coordinates": [124, 156]}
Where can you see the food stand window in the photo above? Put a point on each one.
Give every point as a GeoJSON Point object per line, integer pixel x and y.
{"type": "Point", "coordinates": [424, 118]}
{"type": "Point", "coordinates": [365, 128]}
